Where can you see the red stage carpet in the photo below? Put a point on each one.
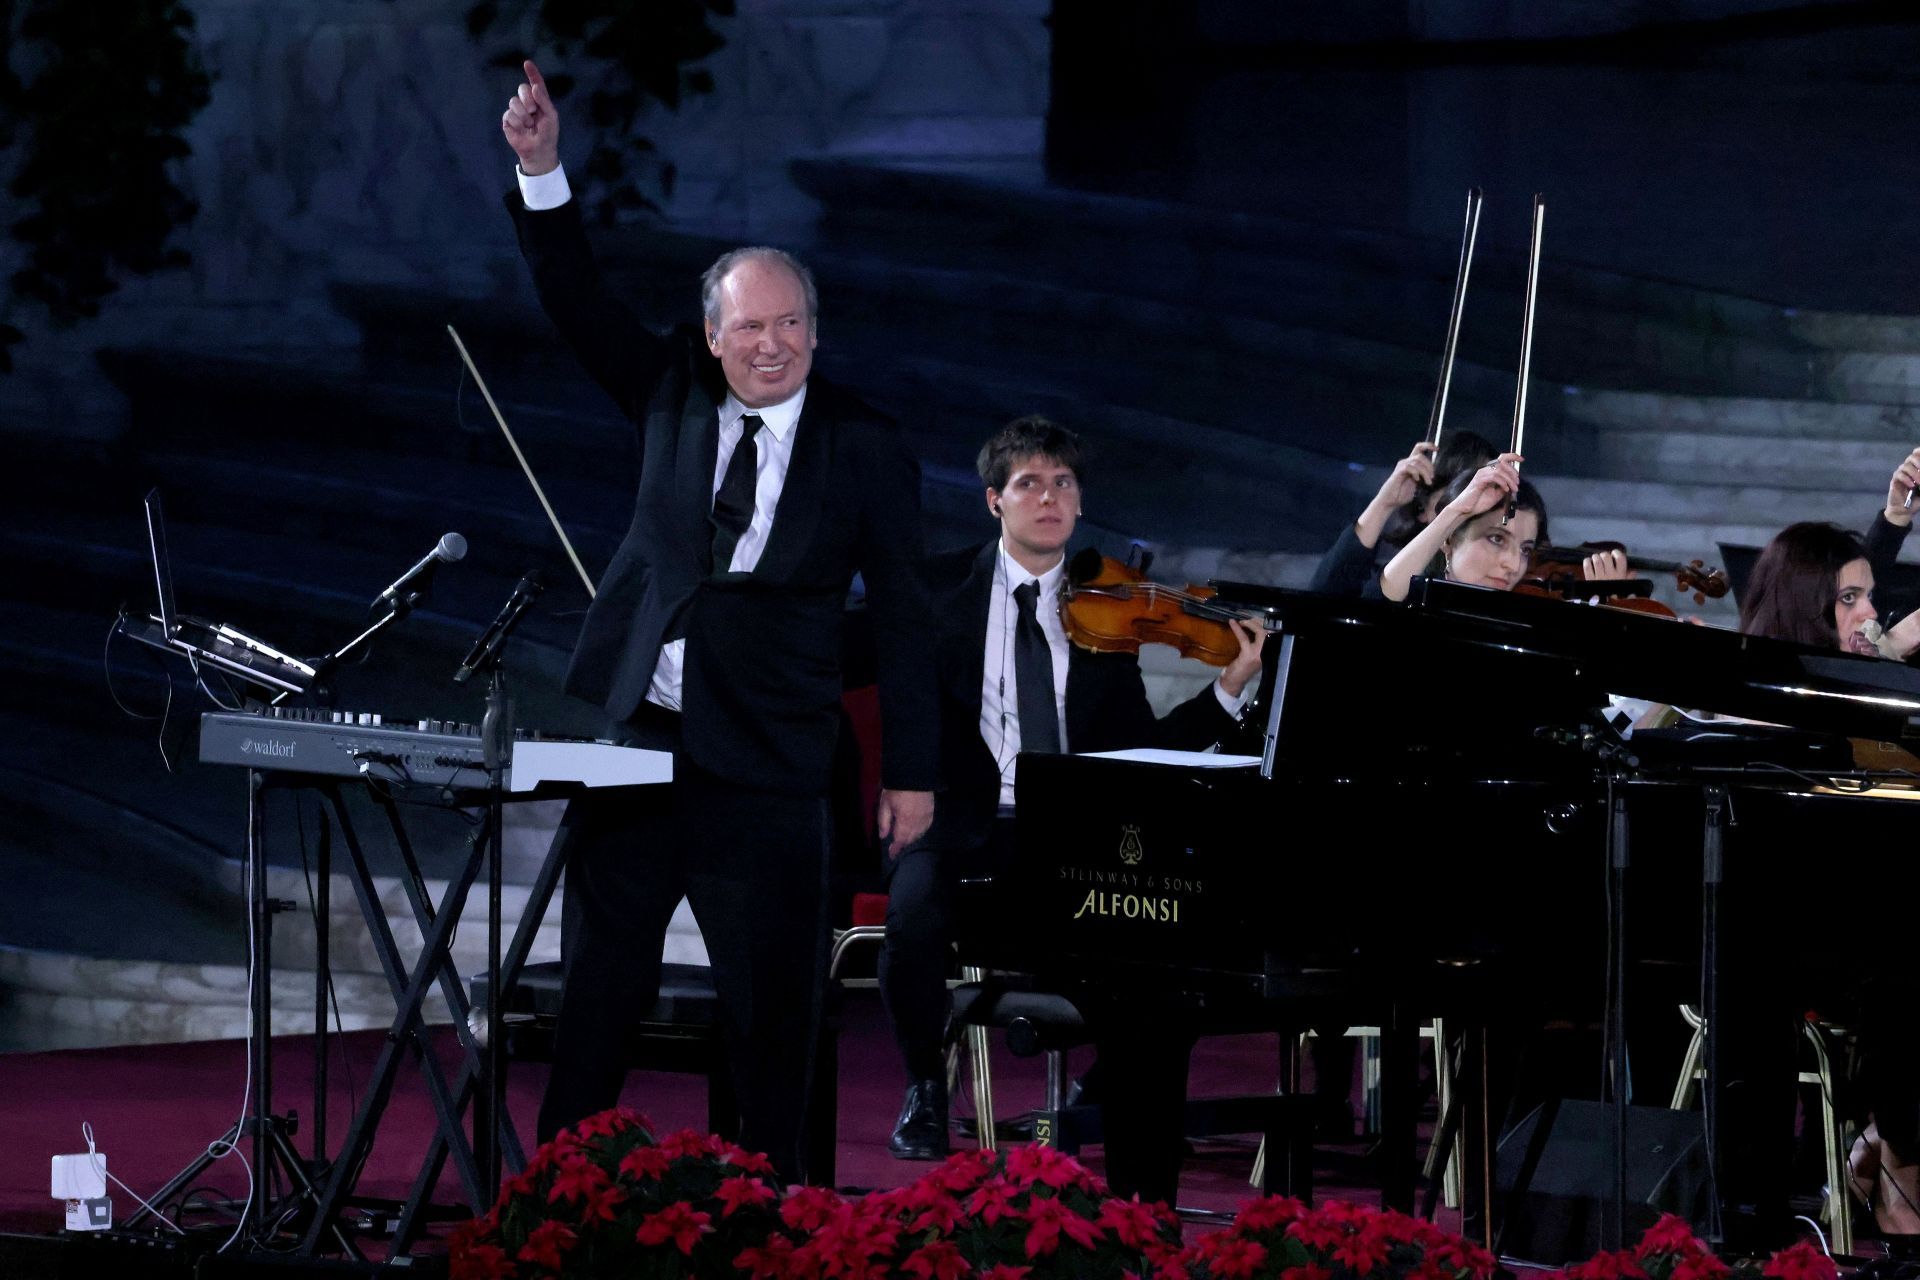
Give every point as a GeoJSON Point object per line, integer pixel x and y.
{"type": "Point", "coordinates": [153, 1109]}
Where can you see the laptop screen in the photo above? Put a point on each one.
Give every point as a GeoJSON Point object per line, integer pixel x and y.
{"type": "Point", "coordinates": [162, 567]}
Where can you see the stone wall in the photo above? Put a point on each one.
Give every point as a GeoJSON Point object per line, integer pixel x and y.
{"type": "Point", "coordinates": [359, 140]}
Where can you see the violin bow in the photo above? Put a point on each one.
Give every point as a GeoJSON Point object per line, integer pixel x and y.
{"type": "Point", "coordinates": [1468, 237]}
{"type": "Point", "coordinates": [1526, 343]}
{"type": "Point", "coordinates": [513, 444]}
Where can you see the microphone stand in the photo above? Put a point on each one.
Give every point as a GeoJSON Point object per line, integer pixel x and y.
{"type": "Point", "coordinates": [496, 753]}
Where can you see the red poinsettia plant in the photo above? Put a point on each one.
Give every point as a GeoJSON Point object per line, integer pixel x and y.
{"type": "Point", "coordinates": [1278, 1238]}
{"type": "Point", "coordinates": [605, 1199]}
{"type": "Point", "coordinates": [1670, 1251]}
{"type": "Point", "coordinates": [1027, 1213]}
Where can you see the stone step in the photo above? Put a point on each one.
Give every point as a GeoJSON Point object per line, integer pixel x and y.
{"type": "Point", "coordinates": [1739, 416]}
{"type": "Point", "coordinates": [1596, 327]}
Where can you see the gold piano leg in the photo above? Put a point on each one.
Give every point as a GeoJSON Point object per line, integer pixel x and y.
{"type": "Point", "coordinates": [982, 1069]}
{"type": "Point", "coordinates": [1691, 1068]}
{"type": "Point", "coordinates": [1837, 1211]}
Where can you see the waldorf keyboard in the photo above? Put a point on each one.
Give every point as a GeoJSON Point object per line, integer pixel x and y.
{"type": "Point", "coordinates": [428, 753]}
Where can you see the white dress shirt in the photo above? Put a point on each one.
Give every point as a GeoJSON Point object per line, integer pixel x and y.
{"type": "Point", "coordinates": [999, 685]}
{"type": "Point", "coordinates": [773, 451]}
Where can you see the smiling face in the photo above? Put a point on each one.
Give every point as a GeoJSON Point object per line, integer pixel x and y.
{"type": "Point", "coordinates": [1485, 553]}
{"type": "Point", "coordinates": [1853, 606]}
{"type": "Point", "coordinates": [762, 332]}
{"type": "Point", "coordinates": [1037, 507]}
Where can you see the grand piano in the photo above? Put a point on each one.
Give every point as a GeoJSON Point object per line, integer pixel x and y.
{"type": "Point", "coordinates": [1443, 817]}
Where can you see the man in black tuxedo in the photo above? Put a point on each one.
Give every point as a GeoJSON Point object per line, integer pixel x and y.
{"type": "Point", "coordinates": [716, 634]}
{"type": "Point", "coordinates": [1010, 682]}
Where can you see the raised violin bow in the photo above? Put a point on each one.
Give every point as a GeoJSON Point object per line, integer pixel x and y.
{"type": "Point", "coordinates": [513, 444]}
{"type": "Point", "coordinates": [1467, 239]}
{"type": "Point", "coordinates": [1526, 339]}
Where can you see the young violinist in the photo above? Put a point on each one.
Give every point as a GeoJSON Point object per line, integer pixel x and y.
{"type": "Point", "coordinates": [1471, 540]}
{"type": "Point", "coordinates": [1010, 682]}
{"type": "Point", "coordinates": [1412, 493]}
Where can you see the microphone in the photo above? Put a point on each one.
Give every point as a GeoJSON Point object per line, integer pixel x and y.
{"type": "Point", "coordinates": [525, 592]}
{"type": "Point", "coordinates": [451, 547]}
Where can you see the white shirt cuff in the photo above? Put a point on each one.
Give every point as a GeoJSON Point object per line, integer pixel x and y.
{"type": "Point", "coordinates": [546, 191]}
{"type": "Point", "coordinates": [1235, 704]}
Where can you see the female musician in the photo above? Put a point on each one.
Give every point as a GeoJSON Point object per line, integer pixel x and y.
{"type": "Point", "coordinates": [1813, 584]}
{"type": "Point", "coordinates": [1412, 493]}
{"type": "Point", "coordinates": [1471, 540]}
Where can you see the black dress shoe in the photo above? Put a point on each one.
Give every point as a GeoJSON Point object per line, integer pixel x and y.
{"type": "Point", "coordinates": [921, 1133]}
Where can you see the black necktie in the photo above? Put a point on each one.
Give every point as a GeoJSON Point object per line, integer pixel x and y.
{"type": "Point", "coordinates": [1033, 676]}
{"type": "Point", "coordinates": [733, 504]}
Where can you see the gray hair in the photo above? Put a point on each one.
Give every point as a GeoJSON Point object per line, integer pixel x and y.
{"type": "Point", "coordinates": [710, 282]}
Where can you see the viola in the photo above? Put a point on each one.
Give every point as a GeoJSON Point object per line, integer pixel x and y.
{"type": "Point", "coordinates": [1110, 607]}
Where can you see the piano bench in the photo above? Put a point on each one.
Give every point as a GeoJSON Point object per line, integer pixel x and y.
{"type": "Point", "coordinates": [680, 1034]}
{"type": "Point", "coordinates": [1041, 1021]}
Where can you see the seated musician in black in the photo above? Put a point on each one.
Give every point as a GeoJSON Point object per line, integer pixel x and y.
{"type": "Point", "coordinates": [1470, 539]}
{"type": "Point", "coordinates": [1413, 491]}
{"type": "Point", "coordinates": [1011, 682]}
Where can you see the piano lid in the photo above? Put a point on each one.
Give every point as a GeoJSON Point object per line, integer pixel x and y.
{"type": "Point", "coordinates": [1635, 656]}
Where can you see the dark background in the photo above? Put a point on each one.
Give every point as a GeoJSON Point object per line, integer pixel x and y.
{"type": "Point", "coordinates": [1218, 238]}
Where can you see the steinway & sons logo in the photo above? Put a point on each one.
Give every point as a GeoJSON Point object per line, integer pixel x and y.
{"type": "Point", "coordinates": [1131, 894]}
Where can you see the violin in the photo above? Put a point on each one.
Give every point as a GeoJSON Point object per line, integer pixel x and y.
{"type": "Point", "coordinates": [1110, 607]}
{"type": "Point", "coordinates": [1554, 571]}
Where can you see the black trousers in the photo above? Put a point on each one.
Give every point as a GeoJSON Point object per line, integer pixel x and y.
{"type": "Point", "coordinates": [917, 952]}
{"type": "Point", "coordinates": [753, 866]}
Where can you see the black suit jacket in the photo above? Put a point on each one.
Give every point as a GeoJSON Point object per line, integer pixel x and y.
{"type": "Point", "coordinates": [1107, 707]}
{"type": "Point", "coordinates": [761, 680]}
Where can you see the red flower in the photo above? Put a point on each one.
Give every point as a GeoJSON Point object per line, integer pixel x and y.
{"type": "Point", "coordinates": [1801, 1262]}
{"type": "Point", "coordinates": [808, 1208]}
{"type": "Point", "coordinates": [740, 1192]}
{"type": "Point", "coordinates": [578, 1178]}
{"type": "Point", "coordinates": [944, 1214]}
{"type": "Point", "coordinates": [643, 1164]}
{"type": "Point", "coordinates": [1317, 1230]}
{"type": "Point", "coordinates": [1361, 1253]}
{"type": "Point", "coordinates": [602, 1205]}
{"type": "Point", "coordinates": [770, 1261]}
{"type": "Point", "coordinates": [939, 1260]}
{"type": "Point", "coordinates": [1463, 1255]}
{"type": "Point", "coordinates": [1700, 1266]}
{"type": "Point", "coordinates": [608, 1123]}
{"type": "Point", "coordinates": [1620, 1265]}
{"type": "Point", "coordinates": [690, 1142]}
{"type": "Point", "coordinates": [746, 1161]}
{"type": "Point", "coordinates": [1132, 1223]}
{"type": "Point", "coordinates": [962, 1170]}
{"type": "Point", "coordinates": [481, 1262]}
{"type": "Point", "coordinates": [1268, 1213]}
{"type": "Point", "coordinates": [1669, 1235]}
{"type": "Point", "coordinates": [1051, 1220]}
{"type": "Point", "coordinates": [992, 1200]}
{"type": "Point", "coordinates": [1310, 1271]}
{"type": "Point", "coordinates": [548, 1245]}
{"type": "Point", "coordinates": [676, 1222]}
{"type": "Point", "coordinates": [1045, 1166]}
{"type": "Point", "coordinates": [1235, 1257]}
